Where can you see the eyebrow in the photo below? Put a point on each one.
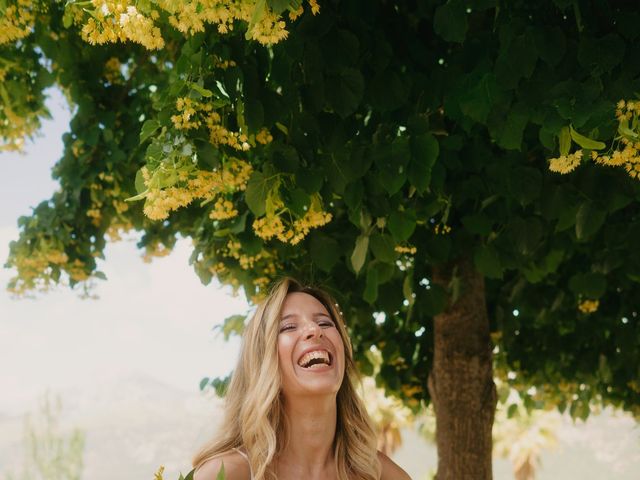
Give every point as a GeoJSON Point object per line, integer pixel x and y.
{"type": "Point", "coordinates": [293, 315]}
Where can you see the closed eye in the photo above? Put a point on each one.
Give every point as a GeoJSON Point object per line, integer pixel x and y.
{"type": "Point", "coordinates": [287, 327]}
{"type": "Point", "coordinates": [326, 323]}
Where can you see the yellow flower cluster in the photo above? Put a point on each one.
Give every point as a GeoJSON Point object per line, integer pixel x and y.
{"type": "Point", "coordinates": [264, 264]}
{"type": "Point", "coordinates": [96, 216]}
{"type": "Point", "coordinates": [402, 249]}
{"type": "Point", "coordinates": [189, 113]}
{"type": "Point", "coordinates": [246, 261]}
{"type": "Point", "coordinates": [565, 163]}
{"type": "Point", "coordinates": [223, 64]}
{"type": "Point", "coordinates": [35, 268]}
{"type": "Point", "coordinates": [264, 136]}
{"type": "Point", "coordinates": [271, 226]}
{"type": "Point", "coordinates": [268, 227]}
{"type": "Point", "coordinates": [219, 135]}
{"type": "Point", "coordinates": [198, 184]}
{"type": "Point", "coordinates": [315, 8]}
{"type": "Point", "coordinates": [190, 16]}
{"type": "Point", "coordinates": [223, 209]}
{"type": "Point", "coordinates": [270, 30]}
{"type": "Point", "coordinates": [626, 110]}
{"type": "Point", "coordinates": [294, 14]}
{"type": "Point", "coordinates": [160, 202]}
{"type": "Point", "coordinates": [17, 21]}
{"type": "Point", "coordinates": [155, 250]}
{"type": "Point", "coordinates": [627, 153]}
{"type": "Point", "coordinates": [76, 271]}
{"type": "Point", "coordinates": [14, 128]}
{"type": "Point", "coordinates": [624, 153]}
{"type": "Point", "coordinates": [112, 71]}
{"type": "Point", "coordinates": [117, 228]}
{"type": "Point", "coordinates": [117, 20]}
{"type": "Point", "coordinates": [442, 229]}
{"type": "Point", "coordinates": [588, 306]}
{"type": "Point", "coordinates": [262, 288]}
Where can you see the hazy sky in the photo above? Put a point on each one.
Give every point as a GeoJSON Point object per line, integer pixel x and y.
{"type": "Point", "coordinates": [151, 319]}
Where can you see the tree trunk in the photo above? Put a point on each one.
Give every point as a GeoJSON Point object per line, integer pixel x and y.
{"type": "Point", "coordinates": [461, 380]}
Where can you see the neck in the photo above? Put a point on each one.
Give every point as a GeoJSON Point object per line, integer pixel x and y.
{"type": "Point", "coordinates": [311, 423]}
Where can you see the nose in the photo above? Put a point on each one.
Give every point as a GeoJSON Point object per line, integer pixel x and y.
{"type": "Point", "coordinates": [312, 329]}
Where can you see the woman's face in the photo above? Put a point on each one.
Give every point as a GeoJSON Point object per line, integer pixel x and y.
{"type": "Point", "coordinates": [310, 349]}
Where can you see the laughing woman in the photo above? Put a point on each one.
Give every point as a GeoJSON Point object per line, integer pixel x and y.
{"type": "Point", "coordinates": [292, 411]}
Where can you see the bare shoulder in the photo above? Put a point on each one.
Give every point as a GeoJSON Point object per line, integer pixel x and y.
{"type": "Point", "coordinates": [235, 467]}
{"type": "Point", "coordinates": [391, 470]}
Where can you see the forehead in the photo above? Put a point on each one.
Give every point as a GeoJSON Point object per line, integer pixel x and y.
{"type": "Point", "coordinates": [302, 302]}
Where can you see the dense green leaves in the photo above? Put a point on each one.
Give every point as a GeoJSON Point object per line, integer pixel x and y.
{"type": "Point", "coordinates": [591, 285]}
{"type": "Point", "coordinates": [424, 153]}
{"type": "Point", "coordinates": [450, 21]}
{"type": "Point", "coordinates": [421, 125]}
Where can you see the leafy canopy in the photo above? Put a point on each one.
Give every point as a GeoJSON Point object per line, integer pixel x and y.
{"type": "Point", "coordinates": [357, 146]}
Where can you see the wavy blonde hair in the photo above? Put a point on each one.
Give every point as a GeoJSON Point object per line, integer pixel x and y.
{"type": "Point", "coordinates": [254, 416]}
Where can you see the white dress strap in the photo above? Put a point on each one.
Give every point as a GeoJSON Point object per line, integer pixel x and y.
{"type": "Point", "coordinates": [247, 459]}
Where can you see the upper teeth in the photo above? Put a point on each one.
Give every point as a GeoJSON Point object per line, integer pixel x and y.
{"type": "Point", "coordinates": [307, 357]}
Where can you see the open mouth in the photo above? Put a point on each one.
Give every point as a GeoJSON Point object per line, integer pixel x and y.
{"type": "Point", "coordinates": [315, 359]}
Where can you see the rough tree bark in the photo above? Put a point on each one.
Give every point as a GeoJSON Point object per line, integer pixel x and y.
{"type": "Point", "coordinates": [461, 380]}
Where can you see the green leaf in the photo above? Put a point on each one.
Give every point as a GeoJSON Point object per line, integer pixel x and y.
{"type": "Point", "coordinates": [401, 225]}
{"type": "Point", "coordinates": [203, 383]}
{"type": "Point", "coordinates": [591, 285]}
{"type": "Point", "coordinates": [208, 155]}
{"type": "Point", "coordinates": [388, 90]}
{"type": "Point", "coordinates": [67, 18]}
{"type": "Point", "coordinates": [359, 254]}
{"type": "Point", "coordinates": [139, 182]}
{"type": "Point", "coordinates": [407, 290]}
{"type": "Point", "coordinates": [310, 179]}
{"type": "Point", "coordinates": [259, 11]}
{"type": "Point", "coordinates": [424, 153]}
{"type": "Point", "coordinates": [586, 142]}
{"type": "Point", "coordinates": [383, 247]}
{"type": "Point", "coordinates": [476, 102]}
{"type": "Point", "coordinates": [258, 188]}
{"type": "Point", "coordinates": [511, 136]}
{"type": "Point", "coordinates": [324, 251]}
{"type": "Point", "coordinates": [623, 129]}
{"type": "Point", "coordinates": [100, 275]}
{"type": "Point", "coordinates": [238, 224]}
{"type": "Point", "coordinates": [344, 91]}
{"type": "Point", "coordinates": [487, 262]}
{"type": "Point", "coordinates": [525, 184]}
{"type": "Point", "coordinates": [478, 224]}
{"type": "Point", "coordinates": [221, 475]}
{"type": "Point", "coordinates": [565, 141]}
{"type": "Point", "coordinates": [450, 21]}
{"type": "Point", "coordinates": [370, 293]}
{"type": "Point", "coordinates": [148, 128]}
{"type": "Point", "coordinates": [233, 325]}
{"type": "Point", "coordinates": [253, 114]}
{"type": "Point", "coordinates": [278, 6]}
{"type": "Point", "coordinates": [589, 219]}
{"type": "Point", "coordinates": [201, 90]}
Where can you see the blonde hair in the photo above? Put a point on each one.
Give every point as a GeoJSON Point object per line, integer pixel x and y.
{"type": "Point", "coordinates": [254, 417]}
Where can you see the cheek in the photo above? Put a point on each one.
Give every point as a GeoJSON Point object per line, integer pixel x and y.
{"type": "Point", "coordinates": [285, 349]}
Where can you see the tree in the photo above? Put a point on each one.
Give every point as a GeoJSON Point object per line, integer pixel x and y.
{"type": "Point", "coordinates": [393, 151]}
